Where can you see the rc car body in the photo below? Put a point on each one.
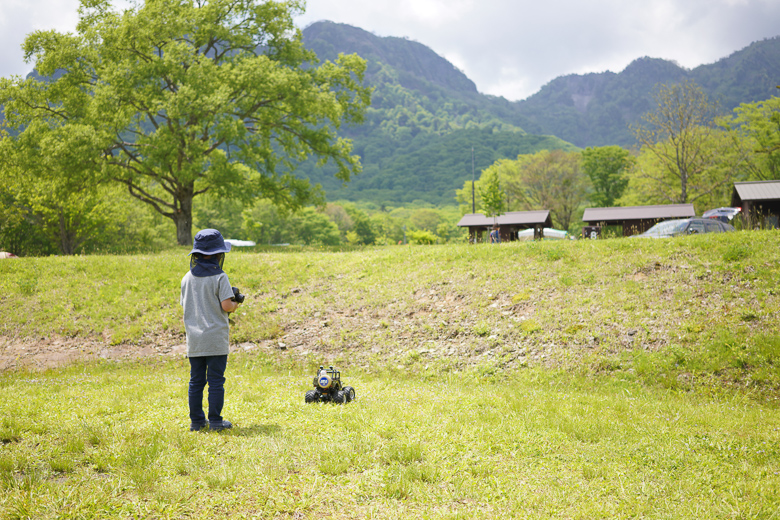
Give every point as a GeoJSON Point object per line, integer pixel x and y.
{"type": "Point", "coordinates": [327, 388]}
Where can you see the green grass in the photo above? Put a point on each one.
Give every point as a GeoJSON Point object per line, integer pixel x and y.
{"type": "Point", "coordinates": [112, 441]}
{"type": "Point", "coordinates": [698, 312]}
{"type": "Point", "coordinates": [589, 379]}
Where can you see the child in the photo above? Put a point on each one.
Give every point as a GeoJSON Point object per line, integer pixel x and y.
{"type": "Point", "coordinates": [207, 298]}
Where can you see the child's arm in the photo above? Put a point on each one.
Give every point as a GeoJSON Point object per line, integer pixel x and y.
{"type": "Point", "coordinates": [229, 305]}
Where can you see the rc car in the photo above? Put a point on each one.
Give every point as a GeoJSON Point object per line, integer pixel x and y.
{"type": "Point", "coordinates": [327, 388]}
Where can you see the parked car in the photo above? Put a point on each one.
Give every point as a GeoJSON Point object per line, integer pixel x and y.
{"type": "Point", "coordinates": [725, 215]}
{"type": "Point", "coordinates": [686, 226]}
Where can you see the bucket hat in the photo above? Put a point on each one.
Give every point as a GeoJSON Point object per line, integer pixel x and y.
{"type": "Point", "coordinates": [210, 242]}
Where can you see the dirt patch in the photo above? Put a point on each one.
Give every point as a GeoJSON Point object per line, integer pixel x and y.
{"type": "Point", "coordinates": [357, 337]}
{"type": "Point", "coordinates": [436, 328]}
{"type": "Point", "coordinates": [44, 353]}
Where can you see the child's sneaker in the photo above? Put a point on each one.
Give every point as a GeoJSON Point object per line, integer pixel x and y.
{"type": "Point", "coordinates": [219, 426]}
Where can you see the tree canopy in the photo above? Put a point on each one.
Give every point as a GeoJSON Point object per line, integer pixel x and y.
{"type": "Point", "coordinates": [757, 125]}
{"type": "Point", "coordinates": [606, 166]}
{"type": "Point", "coordinates": [174, 99]}
{"type": "Point", "coordinates": [549, 179]}
{"type": "Point", "coordinates": [681, 135]}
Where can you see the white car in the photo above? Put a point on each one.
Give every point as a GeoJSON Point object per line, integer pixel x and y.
{"type": "Point", "coordinates": [685, 226]}
{"type": "Point", "coordinates": [549, 234]}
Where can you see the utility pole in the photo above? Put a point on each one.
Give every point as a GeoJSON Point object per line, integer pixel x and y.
{"type": "Point", "coordinates": [473, 199]}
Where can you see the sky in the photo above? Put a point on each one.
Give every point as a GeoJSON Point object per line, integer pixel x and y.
{"type": "Point", "coordinates": [509, 48]}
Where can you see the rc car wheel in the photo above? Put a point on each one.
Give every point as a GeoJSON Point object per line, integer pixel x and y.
{"type": "Point", "coordinates": [311, 396]}
{"type": "Point", "coordinates": [340, 397]}
{"type": "Point", "coordinates": [349, 392]}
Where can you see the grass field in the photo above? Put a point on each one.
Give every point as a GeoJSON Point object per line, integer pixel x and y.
{"type": "Point", "coordinates": [608, 379]}
{"type": "Point", "coordinates": [111, 441]}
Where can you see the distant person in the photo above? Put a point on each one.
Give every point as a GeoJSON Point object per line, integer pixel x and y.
{"type": "Point", "coordinates": [207, 299]}
{"type": "Point", "coordinates": [495, 235]}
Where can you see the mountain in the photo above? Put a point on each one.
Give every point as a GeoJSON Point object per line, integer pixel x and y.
{"type": "Point", "coordinates": [426, 115]}
{"type": "Point", "coordinates": [597, 109]}
{"type": "Point", "coordinates": [425, 118]}
{"type": "Point", "coordinates": [415, 63]}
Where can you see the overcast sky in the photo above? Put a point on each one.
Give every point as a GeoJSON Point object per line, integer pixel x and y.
{"type": "Point", "coordinates": [509, 48]}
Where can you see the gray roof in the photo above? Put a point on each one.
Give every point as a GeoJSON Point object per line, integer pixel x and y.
{"type": "Point", "coordinates": [758, 190]}
{"type": "Point", "coordinates": [525, 218]}
{"type": "Point", "coordinates": [638, 213]}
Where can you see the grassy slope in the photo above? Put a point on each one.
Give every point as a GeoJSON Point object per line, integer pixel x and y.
{"type": "Point", "coordinates": [686, 312]}
{"type": "Point", "coordinates": [458, 414]}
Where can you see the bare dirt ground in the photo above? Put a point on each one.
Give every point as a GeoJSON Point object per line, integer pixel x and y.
{"type": "Point", "coordinates": [357, 336]}
{"type": "Point", "coordinates": [46, 353]}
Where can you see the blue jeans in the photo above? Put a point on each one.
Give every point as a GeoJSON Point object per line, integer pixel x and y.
{"type": "Point", "coordinates": [205, 369]}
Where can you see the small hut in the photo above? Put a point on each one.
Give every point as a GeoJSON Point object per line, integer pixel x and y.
{"type": "Point", "coordinates": [635, 219]}
{"type": "Point", "coordinates": [509, 224]}
{"type": "Point", "coordinates": [760, 202]}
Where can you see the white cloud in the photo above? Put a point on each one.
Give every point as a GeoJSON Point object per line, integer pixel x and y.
{"type": "Point", "coordinates": [19, 18]}
{"type": "Point", "coordinates": [433, 13]}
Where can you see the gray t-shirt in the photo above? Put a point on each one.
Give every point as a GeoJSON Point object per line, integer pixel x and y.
{"type": "Point", "coordinates": [204, 320]}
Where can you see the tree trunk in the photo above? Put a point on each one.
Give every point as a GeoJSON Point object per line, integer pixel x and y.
{"type": "Point", "coordinates": [182, 216]}
{"type": "Point", "coordinates": [67, 236]}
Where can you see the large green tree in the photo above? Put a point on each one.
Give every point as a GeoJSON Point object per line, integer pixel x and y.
{"type": "Point", "coordinates": [177, 98]}
{"type": "Point", "coordinates": [681, 133]}
{"type": "Point", "coordinates": [607, 166]}
{"type": "Point", "coordinates": [549, 180]}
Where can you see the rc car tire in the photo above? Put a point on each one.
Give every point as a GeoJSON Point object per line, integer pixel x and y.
{"type": "Point", "coordinates": [311, 396]}
{"type": "Point", "coordinates": [339, 397]}
{"type": "Point", "coordinates": [349, 393]}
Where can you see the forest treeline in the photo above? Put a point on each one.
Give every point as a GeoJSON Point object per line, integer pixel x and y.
{"type": "Point", "coordinates": [719, 152]}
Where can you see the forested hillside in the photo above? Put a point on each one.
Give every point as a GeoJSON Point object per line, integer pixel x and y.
{"type": "Point", "coordinates": [597, 109]}
{"type": "Point", "coordinates": [424, 119]}
{"type": "Point", "coordinates": [426, 115]}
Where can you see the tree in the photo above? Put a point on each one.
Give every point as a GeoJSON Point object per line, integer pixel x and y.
{"type": "Point", "coordinates": [69, 209]}
{"type": "Point", "coordinates": [757, 127]}
{"type": "Point", "coordinates": [389, 230]}
{"type": "Point", "coordinates": [362, 232]}
{"type": "Point", "coordinates": [20, 230]}
{"type": "Point", "coordinates": [490, 193]}
{"type": "Point", "coordinates": [679, 133]}
{"type": "Point", "coordinates": [425, 219]}
{"type": "Point", "coordinates": [549, 180]}
{"type": "Point", "coordinates": [177, 98]}
{"type": "Point", "coordinates": [499, 172]}
{"type": "Point", "coordinates": [606, 167]}
{"type": "Point", "coordinates": [313, 228]}
{"type": "Point", "coordinates": [338, 215]}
